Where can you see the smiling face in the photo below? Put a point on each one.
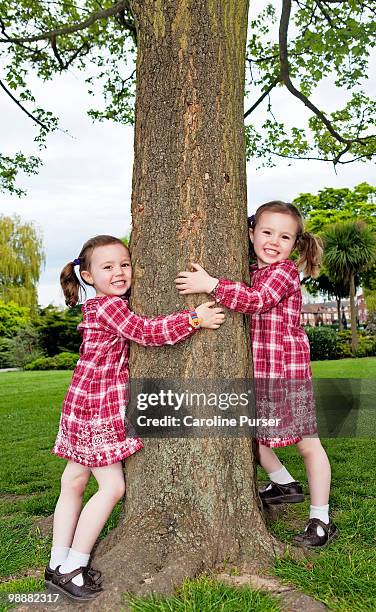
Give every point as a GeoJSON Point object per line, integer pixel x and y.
{"type": "Point", "coordinates": [274, 237]}
{"type": "Point", "coordinates": [110, 270]}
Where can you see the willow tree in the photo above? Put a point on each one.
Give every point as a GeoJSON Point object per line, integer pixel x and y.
{"type": "Point", "coordinates": [21, 260]}
{"type": "Point", "coordinates": [192, 502]}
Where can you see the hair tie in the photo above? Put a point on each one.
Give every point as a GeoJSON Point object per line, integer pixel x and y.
{"type": "Point", "coordinates": [251, 220]}
{"type": "Point", "coordinates": [76, 262]}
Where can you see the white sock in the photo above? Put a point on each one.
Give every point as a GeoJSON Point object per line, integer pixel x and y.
{"type": "Point", "coordinates": [281, 476]}
{"type": "Point", "coordinates": [322, 513]}
{"type": "Point", "coordinates": [74, 560]}
{"type": "Point", "coordinates": [58, 556]}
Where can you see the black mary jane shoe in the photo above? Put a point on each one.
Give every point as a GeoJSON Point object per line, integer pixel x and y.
{"type": "Point", "coordinates": [92, 576]}
{"type": "Point", "coordinates": [311, 539]}
{"type": "Point", "coordinates": [291, 493]}
{"type": "Point", "coordinates": [63, 583]}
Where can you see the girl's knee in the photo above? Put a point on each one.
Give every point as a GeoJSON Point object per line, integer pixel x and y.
{"type": "Point", "coordinates": [119, 490]}
{"type": "Point", "coordinates": [75, 484]}
{"type": "Point", "coordinates": [113, 490]}
{"type": "Point", "coordinates": [110, 480]}
{"type": "Point", "coordinates": [309, 446]}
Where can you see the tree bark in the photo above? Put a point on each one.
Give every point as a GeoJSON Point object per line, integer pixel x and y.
{"type": "Point", "coordinates": [191, 503]}
{"type": "Point", "coordinates": [354, 333]}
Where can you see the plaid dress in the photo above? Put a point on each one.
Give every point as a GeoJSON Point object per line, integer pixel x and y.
{"type": "Point", "coordinates": [280, 349]}
{"type": "Point", "coordinates": [93, 426]}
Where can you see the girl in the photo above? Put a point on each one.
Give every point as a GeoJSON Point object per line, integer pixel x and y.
{"type": "Point", "coordinates": [281, 354]}
{"type": "Point", "coordinates": [92, 435]}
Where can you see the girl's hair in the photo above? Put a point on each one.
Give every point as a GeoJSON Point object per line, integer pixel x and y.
{"type": "Point", "coordinates": [72, 287]}
{"type": "Point", "coordinates": [308, 246]}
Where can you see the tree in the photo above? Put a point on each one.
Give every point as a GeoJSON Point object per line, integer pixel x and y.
{"type": "Point", "coordinates": [335, 206]}
{"type": "Point", "coordinates": [332, 288]}
{"type": "Point", "coordinates": [12, 317]}
{"type": "Point", "coordinates": [188, 200]}
{"type": "Point", "coordinates": [21, 259]}
{"type": "Point", "coordinates": [329, 39]}
{"type": "Point", "coordinates": [190, 502]}
{"type": "Point", "coordinates": [57, 329]}
{"type": "Point", "coordinates": [350, 248]}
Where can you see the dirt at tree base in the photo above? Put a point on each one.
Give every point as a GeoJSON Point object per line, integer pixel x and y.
{"type": "Point", "coordinates": [290, 599]}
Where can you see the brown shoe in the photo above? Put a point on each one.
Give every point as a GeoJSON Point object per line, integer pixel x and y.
{"type": "Point", "coordinates": [62, 583]}
{"type": "Point", "coordinates": [92, 576]}
{"type": "Point", "coordinates": [291, 493]}
{"type": "Point", "coordinates": [311, 539]}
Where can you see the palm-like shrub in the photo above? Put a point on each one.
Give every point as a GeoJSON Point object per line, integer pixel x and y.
{"type": "Point", "coordinates": [350, 248]}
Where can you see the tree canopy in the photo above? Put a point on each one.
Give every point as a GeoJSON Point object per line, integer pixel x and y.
{"type": "Point", "coordinates": [317, 41]}
{"type": "Point", "coordinates": [334, 205]}
{"type": "Point", "coordinates": [12, 316]}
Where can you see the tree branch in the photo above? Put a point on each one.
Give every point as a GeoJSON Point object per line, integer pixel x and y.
{"type": "Point", "coordinates": [71, 29]}
{"type": "Point", "coordinates": [56, 52]}
{"type": "Point", "coordinates": [262, 97]}
{"type": "Point", "coordinates": [250, 60]}
{"type": "Point", "coordinates": [325, 159]}
{"type": "Point", "coordinates": [285, 78]}
{"type": "Point", "coordinates": [326, 14]}
{"type": "Point", "coordinates": [9, 93]}
{"type": "Point", "coordinates": [65, 65]}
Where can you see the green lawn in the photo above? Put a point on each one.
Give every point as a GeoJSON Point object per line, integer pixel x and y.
{"type": "Point", "coordinates": [342, 576]}
{"type": "Point", "coordinates": [345, 368]}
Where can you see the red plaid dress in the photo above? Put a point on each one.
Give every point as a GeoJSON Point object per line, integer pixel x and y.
{"type": "Point", "coordinates": [93, 426]}
{"type": "Point", "coordinates": [280, 349]}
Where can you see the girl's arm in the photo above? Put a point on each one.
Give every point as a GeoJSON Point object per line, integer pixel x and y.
{"type": "Point", "coordinates": [115, 315]}
{"type": "Point", "coordinates": [283, 280]}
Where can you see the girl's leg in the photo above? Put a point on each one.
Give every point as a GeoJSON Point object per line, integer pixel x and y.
{"type": "Point", "coordinates": [318, 470]}
{"type": "Point", "coordinates": [73, 483]}
{"type": "Point", "coordinates": [319, 475]}
{"type": "Point", "coordinates": [111, 488]}
{"type": "Point", "coordinates": [272, 466]}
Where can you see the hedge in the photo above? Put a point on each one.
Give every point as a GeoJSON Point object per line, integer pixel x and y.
{"type": "Point", "coordinates": [326, 343]}
{"type": "Point", "coordinates": [63, 361]}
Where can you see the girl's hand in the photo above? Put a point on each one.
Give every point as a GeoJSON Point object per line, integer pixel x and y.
{"type": "Point", "coordinates": [198, 281]}
{"type": "Point", "coordinates": [210, 317]}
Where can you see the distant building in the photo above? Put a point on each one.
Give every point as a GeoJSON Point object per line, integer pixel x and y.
{"type": "Point", "coordinates": [325, 313]}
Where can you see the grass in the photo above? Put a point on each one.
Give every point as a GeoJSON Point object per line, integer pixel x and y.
{"type": "Point", "coordinates": [342, 576]}
{"type": "Point", "coordinates": [206, 595]}
{"type": "Point", "coordinates": [345, 368]}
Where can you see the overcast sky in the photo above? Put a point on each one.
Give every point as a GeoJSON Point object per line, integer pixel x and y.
{"type": "Point", "coordinates": [84, 187]}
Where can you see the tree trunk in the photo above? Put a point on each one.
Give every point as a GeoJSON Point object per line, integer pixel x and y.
{"type": "Point", "coordinates": [354, 333]}
{"type": "Point", "coordinates": [340, 325]}
{"type": "Point", "coordinates": [191, 503]}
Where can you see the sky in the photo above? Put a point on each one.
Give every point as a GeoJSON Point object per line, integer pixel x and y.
{"type": "Point", "coordinates": [84, 186]}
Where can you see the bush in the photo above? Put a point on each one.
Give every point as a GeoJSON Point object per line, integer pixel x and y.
{"type": "Point", "coordinates": [42, 363]}
{"type": "Point", "coordinates": [24, 347]}
{"type": "Point", "coordinates": [323, 342]}
{"type": "Point", "coordinates": [57, 330]}
{"type": "Point", "coordinates": [4, 353]}
{"type": "Point", "coordinates": [366, 348]}
{"type": "Point", "coordinates": [63, 361]}
{"type": "Point", "coordinates": [12, 316]}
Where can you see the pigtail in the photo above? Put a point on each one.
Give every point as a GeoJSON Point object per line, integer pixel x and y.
{"type": "Point", "coordinates": [251, 221]}
{"type": "Point", "coordinates": [310, 250]}
{"type": "Point", "coordinates": [70, 285]}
